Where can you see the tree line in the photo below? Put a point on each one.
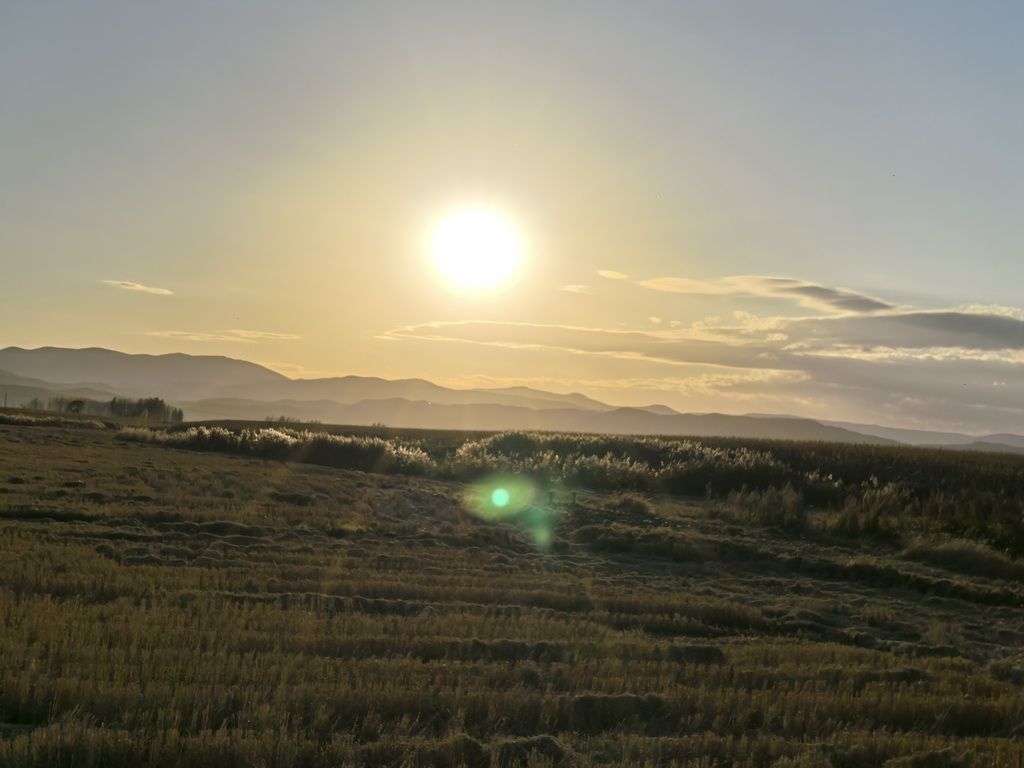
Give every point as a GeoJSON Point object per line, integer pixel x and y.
{"type": "Point", "coordinates": [146, 408]}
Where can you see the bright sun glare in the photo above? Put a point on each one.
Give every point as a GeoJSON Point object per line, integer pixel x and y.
{"type": "Point", "coordinates": [476, 248]}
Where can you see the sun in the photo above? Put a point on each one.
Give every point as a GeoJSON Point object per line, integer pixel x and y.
{"type": "Point", "coordinates": [476, 248]}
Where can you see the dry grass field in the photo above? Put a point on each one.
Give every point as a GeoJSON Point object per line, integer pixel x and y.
{"type": "Point", "coordinates": [166, 607]}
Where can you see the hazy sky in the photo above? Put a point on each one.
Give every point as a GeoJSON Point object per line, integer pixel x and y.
{"type": "Point", "coordinates": [805, 207]}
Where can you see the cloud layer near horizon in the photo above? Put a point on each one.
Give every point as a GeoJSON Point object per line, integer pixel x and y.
{"type": "Point", "coordinates": [966, 364]}
{"type": "Point", "coordinates": [759, 342]}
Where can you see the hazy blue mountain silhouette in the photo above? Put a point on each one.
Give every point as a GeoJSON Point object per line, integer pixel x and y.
{"type": "Point", "coordinates": [911, 436]}
{"type": "Point", "coordinates": [1017, 441]}
{"type": "Point", "coordinates": [211, 387]}
{"type": "Point", "coordinates": [353, 389]}
{"type": "Point", "coordinates": [399, 412]}
{"type": "Point", "coordinates": [180, 377]}
{"type": "Point", "coordinates": [171, 377]}
{"type": "Point", "coordinates": [22, 389]}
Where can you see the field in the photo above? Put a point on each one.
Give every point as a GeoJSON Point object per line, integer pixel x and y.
{"type": "Point", "coordinates": [227, 598]}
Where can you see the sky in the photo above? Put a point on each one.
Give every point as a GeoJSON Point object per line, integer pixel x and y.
{"type": "Point", "coordinates": [799, 207]}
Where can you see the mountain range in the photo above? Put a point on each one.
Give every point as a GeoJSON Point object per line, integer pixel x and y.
{"type": "Point", "coordinates": [214, 387]}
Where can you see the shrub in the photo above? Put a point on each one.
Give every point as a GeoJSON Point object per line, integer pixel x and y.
{"type": "Point", "coordinates": [779, 508]}
{"type": "Point", "coordinates": [968, 557]}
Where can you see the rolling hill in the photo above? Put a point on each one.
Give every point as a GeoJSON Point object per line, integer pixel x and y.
{"type": "Point", "coordinates": [216, 387]}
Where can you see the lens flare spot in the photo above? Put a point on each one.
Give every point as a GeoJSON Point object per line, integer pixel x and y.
{"type": "Point", "coordinates": [543, 537]}
{"type": "Point", "coordinates": [515, 501]}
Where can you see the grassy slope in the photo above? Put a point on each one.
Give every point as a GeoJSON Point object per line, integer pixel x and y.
{"type": "Point", "coordinates": [163, 607]}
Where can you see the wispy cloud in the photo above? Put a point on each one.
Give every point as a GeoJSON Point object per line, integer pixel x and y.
{"type": "Point", "coordinates": [198, 336]}
{"type": "Point", "coordinates": [748, 340]}
{"type": "Point", "coordinates": [236, 336]}
{"type": "Point", "coordinates": [686, 285]}
{"type": "Point", "coordinates": [905, 354]}
{"type": "Point", "coordinates": [991, 309]}
{"type": "Point", "coordinates": [586, 289]}
{"type": "Point", "coordinates": [809, 295]}
{"type": "Point", "coordinates": [946, 329]}
{"type": "Point", "coordinates": [818, 296]}
{"type": "Point", "coordinates": [748, 381]}
{"type": "Point", "coordinates": [665, 346]}
{"type": "Point", "coordinates": [136, 287]}
{"type": "Point", "coordinates": [612, 274]}
{"type": "Point", "coordinates": [264, 335]}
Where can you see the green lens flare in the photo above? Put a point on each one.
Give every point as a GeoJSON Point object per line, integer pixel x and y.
{"type": "Point", "coordinates": [516, 501]}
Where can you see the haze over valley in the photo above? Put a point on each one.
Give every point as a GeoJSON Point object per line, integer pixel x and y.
{"type": "Point", "coordinates": [216, 388]}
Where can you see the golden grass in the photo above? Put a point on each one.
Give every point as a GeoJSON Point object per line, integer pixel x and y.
{"type": "Point", "coordinates": [174, 608]}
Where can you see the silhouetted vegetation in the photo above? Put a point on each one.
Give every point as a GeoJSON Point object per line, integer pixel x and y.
{"type": "Point", "coordinates": [851, 491]}
{"type": "Point", "coordinates": [145, 409]}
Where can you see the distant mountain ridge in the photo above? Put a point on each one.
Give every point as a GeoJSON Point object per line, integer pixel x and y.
{"type": "Point", "coordinates": [216, 387]}
{"type": "Point", "coordinates": [174, 374]}
{"type": "Point", "coordinates": [1003, 443]}
{"type": "Point", "coordinates": [181, 377]}
{"type": "Point", "coordinates": [574, 398]}
{"type": "Point", "coordinates": [398, 412]}
{"type": "Point", "coordinates": [22, 389]}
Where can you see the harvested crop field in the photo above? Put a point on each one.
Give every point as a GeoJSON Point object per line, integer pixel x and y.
{"type": "Point", "coordinates": [160, 606]}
